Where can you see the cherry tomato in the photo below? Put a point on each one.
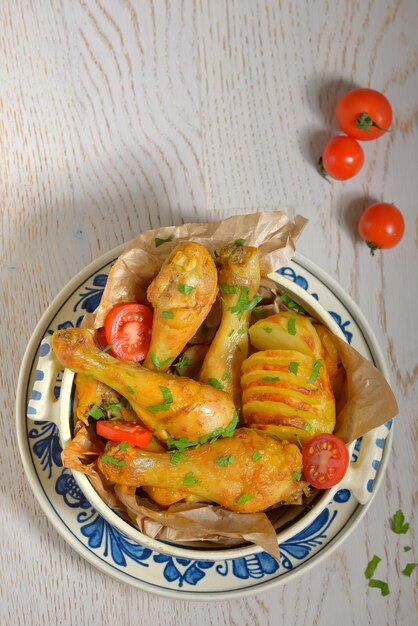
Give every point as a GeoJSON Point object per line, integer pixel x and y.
{"type": "Point", "coordinates": [364, 114]}
{"type": "Point", "coordinates": [119, 430]}
{"type": "Point", "coordinates": [324, 461]}
{"type": "Point", "coordinates": [342, 158]}
{"type": "Point", "coordinates": [128, 331]}
{"type": "Point", "coordinates": [381, 226]}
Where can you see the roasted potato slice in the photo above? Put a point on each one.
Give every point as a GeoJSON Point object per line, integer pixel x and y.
{"type": "Point", "coordinates": [286, 331]}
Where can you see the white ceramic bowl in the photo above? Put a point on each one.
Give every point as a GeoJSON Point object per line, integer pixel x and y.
{"type": "Point", "coordinates": [44, 407]}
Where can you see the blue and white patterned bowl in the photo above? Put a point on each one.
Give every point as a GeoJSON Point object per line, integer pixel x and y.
{"type": "Point", "coordinates": [117, 553]}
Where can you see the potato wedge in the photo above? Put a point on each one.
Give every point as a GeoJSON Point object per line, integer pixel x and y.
{"type": "Point", "coordinates": [286, 331]}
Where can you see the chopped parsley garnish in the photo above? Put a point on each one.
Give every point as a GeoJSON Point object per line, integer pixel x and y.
{"type": "Point", "coordinates": [243, 303]}
{"type": "Point", "coordinates": [130, 390]}
{"type": "Point", "coordinates": [159, 242]}
{"type": "Point", "coordinates": [241, 331]}
{"type": "Point", "coordinates": [293, 367]}
{"type": "Point", "coordinates": [371, 567]}
{"type": "Point", "coordinates": [398, 523]}
{"type": "Point", "coordinates": [215, 383]}
{"type": "Point", "coordinates": [409, 569]}
{"type": "Point", "coordinates": [407, 548]}
{"type": "Point", "coordinates": [224, 461]}
{"type": "Point", "coordinates": [157, 362]}
{"type": "Point", "coordinates": [240, 242]}
{"type": "Point", "coordinates": [124, 445]}
{"type": "Point", "coordinates": [259, 313]}
{"type": "Point", "coordinates": [244, 498]}
{"type": "Point", "coordinates": [221, 432]}
{"type": "Point", "coordinates": [227, 289]}
{"type": "Point", "coordinates": [168, 315]}
{"type": "Point", "coordinates": [216, 254]}
{"type": "Point", "coordinates": [183, 362]}
{"type": "Point", "coordinates": [185, 289]}
{"type": "Point", "coordinates": [291, 326]}
{"type": "Point", "coordinates": [291, 304]}
{"type": "Point", "coordinates": [257, 455]}
{"type": "Point", "coordinates": [315, 372]}
{"type": "Point", "coordinates": [113, 461]}
{"type": "Point", "coordinates": [380, 584]}
{"type": "Point", "coordinates": [108, 347]}
{"type": "Point", "coordinates": [267, 329]}
{"type": "Point", "coordinates": [297, 475]}
{"type": "Point", "coordinates": [226, 376]}
{"type": "Point", "coordinates": [190, 479]}
{"type": "Point", "coordinates": [177, 456]}
{"type": "Point", "coordinates": [204, 327]}
{"type": "Point", "coordinates": [180, 444]}
{"type": "Point", "coordinates": [307, 427]}
{"type": "Point", "coordinates": [96, 412]}
{"type": "Point", "coordinates": [164, 406]}
{"type": "Point", "coordinates": [231, 332]}
{"type": "Point", "coordinates": [271, 379]}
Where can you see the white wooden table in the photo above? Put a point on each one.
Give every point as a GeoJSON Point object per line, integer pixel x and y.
{"type": "Point", "coordinates": [121, 115]}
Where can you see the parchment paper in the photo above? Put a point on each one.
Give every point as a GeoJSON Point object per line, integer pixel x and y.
{"type": "Point", "coordinates": [368, 400]}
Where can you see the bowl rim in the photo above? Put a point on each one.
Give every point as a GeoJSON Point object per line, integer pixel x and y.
{"type": "Point", "coordinates": [50, 512]}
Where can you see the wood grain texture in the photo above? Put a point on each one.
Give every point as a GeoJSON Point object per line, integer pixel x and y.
{"type": "Point", "coordinates": [121, 115]}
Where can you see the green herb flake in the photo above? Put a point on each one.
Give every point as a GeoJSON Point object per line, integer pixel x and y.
{"type": "Point", "coordinates": [96, 412]}
{"type": "Point", "coordinates": [371, 567]}
{"type": "Point", "coordinates": [293, 367]}
{"type": "Point", "coordinates": [228, 289]}
{"type": "Point", "coordinates": [243, 303]}
{"type": "Point", "coordinates": [244, 498]}
{"type": "Point", "coordinates": [204, 328]}
{"type": "Point", "coordinates": [291, 304]}
{"type": "Point", "coordinates": [409, 569]}
{"type": "Point", "coordinates": [297, 475]}
{"type": "Point", "coordinates": [159, 242]}
{"type": "Point", "coordinates": [158, 364]}
{"type": "Point", "coordinates": [113, 461]}
{"type": "Point", "coordinates": [168, 315]}
{"type": "Point", "coordinates": [108, 347]}
{"type": "Point", "coordinates": [183, 362]}
{"type": "Point", "coordinates": [267, 329]}
{"type": "Point", "coordinates": [190, 479]}
{"type": "Point", "coordinates": [307, 427]}
{"type": "Point", "coordinates": [216, 254]}
{"type": "Point", "coordinates": [315, 372]}
{"type": "Point", "coordinates": [177, 456]}
{"type": "Point", "coordinates": [221, 432]}
{"type": "Point", "coordinates": [130, 390]}
{"type": "Point", "coordinates": [215, 383]}
{"type": "Point", "coordinates": [185, 289]}
{"type": "Point", "coordinates": [231, 332]}
{"type": "Point", "coordinates": [240, 242]}
{"type": "Point", "coordinates": [241, 331]}
{"type": "Point", "coordinates": [164, 406]}
{"type": "Point", "coordinates": [180, 444]}
{"type": "Point", "coordinates": [124, 445]}
{"type": "Point", "coordinates": [226, 376]}
{"type": "Point", "coordinates": [398, 523]}
{"type": "Point", "coordinates": [291, 326]}
{"type": "Point", "coordinates": [224, 461]}
{"type": "Point", "coordinates": [407, 548]}
{"type": "Point", "coordinates": [257, 455]}
{"type": "Point", "coordinates": [380, 584]}
{"type": "Point", "coordinates": [271, 379]}
{"type": "Point", "coordinates": [259, 313]}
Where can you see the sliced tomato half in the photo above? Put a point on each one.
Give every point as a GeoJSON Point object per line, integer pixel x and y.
{"type": "Point", "coordinates": [120, 430]}
{"type": "Point", "coordinates": [324, 460]}
{"type": "Point", "coordinates": [128, 331]}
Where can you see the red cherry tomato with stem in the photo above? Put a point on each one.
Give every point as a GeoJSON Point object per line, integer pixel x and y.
{"type": "Point", "coordinates": [381, 226]}
{"type": "Point", "coordinates": [128, 331]}
{"type": "Point", "coordinates": [120, 430]}
{"type": "Point", "coordinates": [324, 461]}
{"type": "Point", "coordinates": [364, 114]}
{"type": "Point", "coordinates": [342, 158]}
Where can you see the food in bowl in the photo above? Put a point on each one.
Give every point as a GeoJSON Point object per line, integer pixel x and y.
{"type": "Point", "coordinates": [216, 353]}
